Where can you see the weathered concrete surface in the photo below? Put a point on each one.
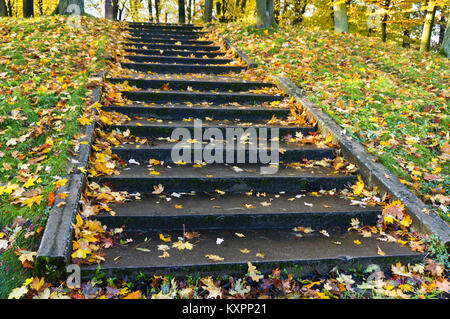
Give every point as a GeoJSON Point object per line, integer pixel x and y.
{"type": "Point", "coordinates": [373, 172]}
{"type": "Point", "coordinates": [281, 248]}
{"type": "Point", "coordinates": [220, 176]}
{"type": "Point", "coordinates": [213, 211]}
{"type": "Point", "coordinates": [56, 243]}
{"type": "Point", "coordinates": [240, 54]}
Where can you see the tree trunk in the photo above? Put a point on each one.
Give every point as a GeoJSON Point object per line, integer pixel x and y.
{"type": "Point", "coordinates": [189, 11]}
{"type": "Point", "coordinates": [157, 10]}
{"type": "Point", "coordinates": [406, 39]}
{"type": "Point", "coordinates": [441, 28]}
{"type": "Point", "coordinates": [387, 3]}
{"type": "Point", "coordinates": [70, 7]}
{"type": "Point", "coordinates": [3, 12]}
{"type": "Point", "coordinates": [445, 47]}
{"type": "Point", "coordinates": [28, 8]}
{"type": "Point", "coordinates": [181, 11]}
{"type": "Point", "coordinates": [150, 11]}
{"type": "Point", "coordinates": [115, 9]}
{"type": "Point", "coordinates": [207, 14]}
{"type": "Point", "coordinates": [340, 16]}
{"type": "Point", "coordinates": [427, 28]}
{"type": "Point", "coordinates": [264, 13]}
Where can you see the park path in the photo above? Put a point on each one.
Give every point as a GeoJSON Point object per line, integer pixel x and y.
{"type": "Point", "coordinates": [215, 218]}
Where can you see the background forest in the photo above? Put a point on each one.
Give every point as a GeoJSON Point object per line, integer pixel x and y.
{"type": "Point", "coordinates": [408, 22]}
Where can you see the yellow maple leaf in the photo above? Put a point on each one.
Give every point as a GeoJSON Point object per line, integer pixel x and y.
{"type": "Point", "coordinates": [30, 182]}
{"type": "Point", "coordinates": [61, 182]}
{"type": "Point", "coordinates": [180, 245]}
{"type": "Point", "coordinates": [84, 121]}
{"type": "Point", "coordinates": [164, 239]}
{"type": "Point", "coordinates": [214, 257]}
{"type": "Point", "coordinates": [358, 188]}
{"type": "Point", "coordinates": [158, 189]}
{"type": "Point", "coordinates": [18, 293]}
{"type": "Point", "coordinates": [32, 200]}
{"type": "Point", "coordinates": [253, 272]}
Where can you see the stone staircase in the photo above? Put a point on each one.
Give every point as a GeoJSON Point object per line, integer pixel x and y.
{"type": "Point", "coordinates": [230, 211]}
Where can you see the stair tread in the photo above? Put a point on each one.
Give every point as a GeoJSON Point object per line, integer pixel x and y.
{"type": "Point", "coordinates": [215, 171]}
{"type": "Point", "coordinates": [207, 124]}
{"type": "Point", "coordinates": [205, 105]}
{"type": "Point", "coordinates": [167, 40]}
{"type": "Point", "coordinates": [189, 78]}
{"type": "Point", "coordinates": [178, 58]}
{"type": "Point", "coordinates": [185, 65]}
{"type": "Point", "coordinates": [173, 46]}
{"type": "Point", "coordinates": [171, 92]}
{"type": "Point", "coordinates": [161, 144]}
{"type": "Point", "coordinates": [175, 52]}
{"type": "Point", "coordinates": [182, 68]}
{"type": "Point", "coordinates": [227, 204]}
{"type": "Point", "coordinates": [277, 245]}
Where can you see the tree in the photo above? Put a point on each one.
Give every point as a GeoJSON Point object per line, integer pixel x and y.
{"type": "Point", "coordinates": [264, 13]}
{"type": "Point", "coordinates": [428, 26]}
{"type": "Point", "coordinates": [340, 16]}
{"type": "Point", "coordinates": [299, 10]}
{"type": "Point", "coordinates": [3, 12]}
{"type": "Point", "coordinates": [28, 8]}
{"type": "Point", "coordinates": [445, 47]}
{"type": "Point", "coordinates": [181, 11]}
{"type": "Point", "coordinates": [115, 9]}
{"type": "Point", "coordinates": [207, 13]}
{"type": "Point", "coordinates": [386, 5]}
{"type": "Point", "coordinates": [150, 11]}
{"type": "Point", "coordinates": [157, 10]}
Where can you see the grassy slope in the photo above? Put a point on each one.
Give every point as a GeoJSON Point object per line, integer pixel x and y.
{"type": "Point", "coordinates": [392, 100]}
{"type": "Point", "coordinates": [45, 64]}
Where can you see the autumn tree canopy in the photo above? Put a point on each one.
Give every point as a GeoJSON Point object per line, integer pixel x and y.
{"type": "Point", "coordinates": [406, 21]}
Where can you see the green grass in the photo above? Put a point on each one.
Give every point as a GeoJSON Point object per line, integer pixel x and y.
{"type": "Point", "coordinates": [45, 66]}
{"type": "Point", "coordinates": [380, 92]}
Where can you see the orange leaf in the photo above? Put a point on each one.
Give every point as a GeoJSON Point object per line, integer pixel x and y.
{"type": "Point", "coordinates": [51, 198]}
{"type": "Point", "coordinates": [133, 295]}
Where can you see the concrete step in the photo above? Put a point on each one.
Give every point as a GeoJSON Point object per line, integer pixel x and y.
{"type": "Point", "coordinates": [187, 178]}
{"type": "Point", "coordinates": [175, 53]}
{"type": "Point", "coordinates": [177, 60]}
{"type": "Point", "coordinates": [157, 27]}
{"type": "Point", "coordinates": [161, 128]}
{"type": "Point", "coordinates": [213, 211]}
{"type": "Point", "coordinates": [152, 46]}
{"type": "Point", "coordinates": [182, 68]}
{"type": "Point", "coordinates": [167, 33]}
{"type": "Point", "coordinates": [162, 150]}
{"type": "Point", "coordinates": [169, 41]}
{"type": "Point", "coordinates": [159, 96]}
{"type": "Point", "coordinates": [221, 84]}
{"type": "Point", "coordinates": [282, 248]}
{"type": "Point", "coordinates": [200, 111]}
